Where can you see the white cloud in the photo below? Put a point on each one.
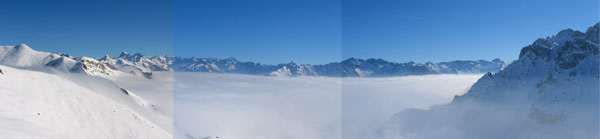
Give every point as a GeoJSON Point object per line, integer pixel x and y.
{"type": "Point", "coordinates": [246, 106]}
{"type": "Point", "coordinates": [370, 102]}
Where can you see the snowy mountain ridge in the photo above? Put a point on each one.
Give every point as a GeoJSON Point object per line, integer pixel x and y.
{"type": "Point", "coordinates": [351, 67]}
{"type": "Point", "coordinates": [142, 65]}
{"type": "Point", "coordinates": [103, 105]}
{"type": "Point", "coordinates": [25, 57]}
{"type": "Point", "coordinates": [551, 91]}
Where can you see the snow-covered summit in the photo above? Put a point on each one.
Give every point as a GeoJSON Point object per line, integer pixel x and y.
{"type": "Point", "coordinates": [93, 66]}
{"type": "Point", "coordinates": [23, 56]}
{"type": "Point", "coordinates": [140, 61]}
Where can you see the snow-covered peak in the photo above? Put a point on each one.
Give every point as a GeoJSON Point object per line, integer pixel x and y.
{"type": "Point", "coordinates": [23, 47]}
{"type": "Point", "coordinates": [592, 33]}
{"type": "Point", "coordinates": [95, 67]}
{"type": "Point", "coordinates": [565, 35]}
{"type": "Point", "coordinates": [352, 60]}
{"type": "Point", "coordinates": [551, 91]}
{"type": "Point", "coordinates": [282, 72]}
{"type": "Point", "coordinates": [84, 58]}
{"type": "Point", "coordinates": [132, 57]}
{"type": "Point", "coordinates": [23, 56]}
{"type": "Point", "coordinates": [123, 54]}
{"type": "Point", "coordinates": [576, 56]}
{"type": "Point", "coordinates": [105, 58]}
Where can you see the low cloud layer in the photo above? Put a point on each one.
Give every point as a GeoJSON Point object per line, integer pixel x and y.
{"type": "Point", "coordinates": [246, 106]}
{"type": "Point", "coordinates": [370, 102]}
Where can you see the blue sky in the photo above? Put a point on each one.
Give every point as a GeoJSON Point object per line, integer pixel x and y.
{"type": "Point", "coordinates": [304, 31]}
{"type": "Point", "coordinates": [442, 30]}
{"type": "Point", "coordinates": [266, 31]}
{"type": "Point", "coordinates": [88, 27]}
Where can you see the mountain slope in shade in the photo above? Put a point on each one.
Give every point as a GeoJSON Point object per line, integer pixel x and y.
{"type": "Point", "coordinates": [551, 91]}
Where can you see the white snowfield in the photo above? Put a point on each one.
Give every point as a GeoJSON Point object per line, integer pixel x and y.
{"type": "Point", "coordinates": [42, 105]}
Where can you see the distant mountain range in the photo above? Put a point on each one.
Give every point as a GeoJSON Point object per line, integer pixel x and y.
{"type": "Point", "coordinates": [23, 56]}
{"type": "Point", "coordinates": [351, 67]}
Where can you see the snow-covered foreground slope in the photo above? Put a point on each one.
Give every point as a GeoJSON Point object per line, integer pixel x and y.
{"type": "Point", "coordinates": [551, 91]}
{"type": "Point", "coordinates": [41, 105]}
{"type": "Point", "coordinates": [367, 103]}
{"type": "Point", "coordinates": [155, 96]}
{"type": "Point", "coordinates": [231, 106]}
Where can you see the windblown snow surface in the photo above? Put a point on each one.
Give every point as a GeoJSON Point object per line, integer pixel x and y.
{"type": "Point", "coordinates": [249, 106]}
{"type": "Point", "coordinates": [63, 105]}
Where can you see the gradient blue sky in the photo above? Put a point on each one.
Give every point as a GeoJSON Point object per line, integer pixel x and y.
{"type": "Point", "coordinates": [266, 31]}
{"type": "Point", "coordinates": [304, 31]}
{"type": "Point", "coordinates": [88, 27]}
{"type": "Point", "coordinates": [442, 30]}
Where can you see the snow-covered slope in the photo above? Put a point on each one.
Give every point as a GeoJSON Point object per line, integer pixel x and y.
{"type": "Point", "coordinates": [41, 105]}
{"type": "Point", "coordinates": [23, 56]}
{"type": "Point", "coordinates": [551, 91]}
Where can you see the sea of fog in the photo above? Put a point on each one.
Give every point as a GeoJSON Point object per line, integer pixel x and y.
{"type": "Point", "coordinates": [248, 106]}
{"type": "Point", "coordinates": [367, 103]}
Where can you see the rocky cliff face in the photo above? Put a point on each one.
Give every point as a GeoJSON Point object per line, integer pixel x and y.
{"type": "Point", "coordinates": [551, 91]}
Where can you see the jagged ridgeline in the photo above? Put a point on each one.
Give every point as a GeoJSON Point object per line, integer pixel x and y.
{"type": "Point", "coordinates": [139, 64]}
{"type": "Point", "coordinates": [348, 68]}
{"type": "Point", "coordinates": [550, 92]}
